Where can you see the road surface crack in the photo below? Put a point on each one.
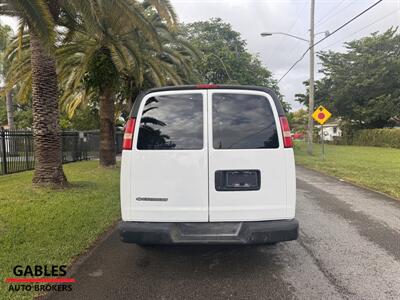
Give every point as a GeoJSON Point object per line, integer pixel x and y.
{"type": "Point", "coordinates": [306, 242]}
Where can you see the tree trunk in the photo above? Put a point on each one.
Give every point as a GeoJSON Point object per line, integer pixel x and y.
{"type": "Point", "coordinates": [46, 129]}
{"type": "Point", "coordinates": [10, 110]}
{"type": "Point", "coordinates": [107, 128]}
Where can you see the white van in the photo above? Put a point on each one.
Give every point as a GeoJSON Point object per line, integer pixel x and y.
{"type": "Point", "coordinates": [208, 164]}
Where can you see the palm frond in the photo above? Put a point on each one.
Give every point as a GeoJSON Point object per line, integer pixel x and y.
{"type": "Point", "coordinates": [135, 18]}
{"type": "Point", "coordinates": [36, 13]}
{"type": "Point", "coordinates": [165, 10]}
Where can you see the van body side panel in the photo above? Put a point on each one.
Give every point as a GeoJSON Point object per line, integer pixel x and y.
{"type": "Point", "coordinates": [269, 201]}
{"type": "Point", "coordinates": [290, 184]}
{"type": "Point", "coordinates": [169, 184]}
{"type": "Point", "coordinates": [125, 185]}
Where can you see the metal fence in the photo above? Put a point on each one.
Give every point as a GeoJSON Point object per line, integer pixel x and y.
{"type": "Point", "coordinates": [16, 148]}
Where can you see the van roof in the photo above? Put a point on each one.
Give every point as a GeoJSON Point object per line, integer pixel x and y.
{"type": "Point", "coordinates": [269, 91]}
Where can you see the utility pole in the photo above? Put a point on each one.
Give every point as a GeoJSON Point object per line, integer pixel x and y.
{"type": "Point", "coordinates": [311, 84]}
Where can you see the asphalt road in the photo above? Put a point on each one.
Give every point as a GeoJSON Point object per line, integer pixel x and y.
{"type": "Point", "coordinates": [349, 248]}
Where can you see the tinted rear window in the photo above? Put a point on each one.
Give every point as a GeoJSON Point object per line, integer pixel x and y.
{"type": "Point", "coordinates": [172, 122]}
{"type": "Point", "coordinates": [243, 122]}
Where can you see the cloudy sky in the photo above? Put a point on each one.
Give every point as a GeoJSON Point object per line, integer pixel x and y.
{"type": "Point", "coordinates": [278, 53]}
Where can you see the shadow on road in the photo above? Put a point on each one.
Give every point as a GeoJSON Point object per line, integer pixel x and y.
{"type": "Point", "coordinates": [118, 270]}
{"type": "Point", "coordinates": [199, 260]}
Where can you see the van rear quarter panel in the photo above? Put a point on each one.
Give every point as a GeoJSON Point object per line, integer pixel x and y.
{"type": "Point", "coordinates": [125, 185]}
{"type": "Point", "coordinates": [290, 184]}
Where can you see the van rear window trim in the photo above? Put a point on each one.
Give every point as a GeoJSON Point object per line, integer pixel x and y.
{"type": "Point", "coordinates": [142, 98]}
{"type": "Point", "coordinates": [139, 99]}
{"type": "Point", "coordinates": [278, 109]}
{"type": "Point", "coordinates": [274, 122]}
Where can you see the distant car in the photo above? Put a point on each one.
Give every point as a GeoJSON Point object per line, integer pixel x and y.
{"type": "Point", "coordinates": [208, 164]}
{"type": "Point", "coordinates": [298, 136]}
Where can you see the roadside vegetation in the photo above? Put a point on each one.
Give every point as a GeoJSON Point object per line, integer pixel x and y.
{"type": "Point", "coordinates": [379, 137]}
{"type": "Point", "coordinates": [372, 167]}
{"type": "Point", "coordinates": [360, 86]}
{"type": "Point", "coordinates": [42, 226]}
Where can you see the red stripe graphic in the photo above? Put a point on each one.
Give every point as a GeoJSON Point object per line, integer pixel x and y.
{"type": "Point", "coordinates": [47, 280]}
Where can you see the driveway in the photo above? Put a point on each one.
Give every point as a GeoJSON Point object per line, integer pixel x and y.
{"type": "Point", "coordinates": [349, 248]}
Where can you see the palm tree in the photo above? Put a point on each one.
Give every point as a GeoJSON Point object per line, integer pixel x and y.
{"type": "Point", "coordinates": [96, 59]}
{"type": "Point", "coordinates": [40, 17]}
{"type": "Point", "coordinates": [170, 65]}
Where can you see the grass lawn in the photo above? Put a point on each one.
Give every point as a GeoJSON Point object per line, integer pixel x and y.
{"type": "Point", "coordinates": [373, 167]}
{"type": "Point", "coordinates": [41, 226]}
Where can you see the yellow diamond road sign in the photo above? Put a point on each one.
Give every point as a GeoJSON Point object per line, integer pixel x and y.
{"type": "Point", "coordinates": [321, 115]}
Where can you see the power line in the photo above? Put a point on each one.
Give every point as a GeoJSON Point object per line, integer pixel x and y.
{"type": "Point", "coordinates": [330, 17]}
{"type": "Point", "coordinates": [332, 33]}
{"type": "Point", "coordinates": [297, 41]}
{"type": "Point", "coordinates": [291, 27]}
{"type": "Point", "coordinates": [348, 22]}
{"type": "Point", "coordinates": [297, 61]}
{"type": "Point", "coordinates": [329, 13]}
{"type": "Point", "coordinates": [361, 29]}
{"type": "Point", "coordinates": [297, 17]}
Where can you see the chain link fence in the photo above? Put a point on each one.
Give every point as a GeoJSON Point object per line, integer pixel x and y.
{"type": "Point", "coordinates": [16, 148]}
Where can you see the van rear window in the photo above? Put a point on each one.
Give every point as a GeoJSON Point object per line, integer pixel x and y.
{"type": "Point", "coordinates": [243, 121]}
{"type": "Point", "coordinates": [173, 122]}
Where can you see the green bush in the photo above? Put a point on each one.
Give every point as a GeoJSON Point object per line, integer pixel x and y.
{"type": "Point", "coordinates": [386, 137]}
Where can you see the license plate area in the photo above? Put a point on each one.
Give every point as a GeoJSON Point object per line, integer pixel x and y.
{"type": "Point", "coordinates": [237, 180]}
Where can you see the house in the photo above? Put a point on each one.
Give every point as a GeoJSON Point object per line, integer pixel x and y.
{"type": "Point", "coordinates": [331, 130]}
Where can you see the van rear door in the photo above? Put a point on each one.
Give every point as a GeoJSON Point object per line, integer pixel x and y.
{"type": "Point", "coordinates": [169, 162]}
{"type": "Point", "coordinates": [247, 179]}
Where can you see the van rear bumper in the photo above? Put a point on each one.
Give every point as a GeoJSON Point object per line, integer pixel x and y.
{"type": "Point", "coordinates": [260, 232]}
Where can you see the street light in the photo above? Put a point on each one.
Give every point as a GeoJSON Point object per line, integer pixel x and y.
{"type": "Point", "coordinates": [263, 34]}
{"type": "Point", "coordinates": [311, 84]}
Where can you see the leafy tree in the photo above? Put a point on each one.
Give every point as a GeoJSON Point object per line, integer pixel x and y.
{"type": "Point", "coordinates": [22, 115]}
{"type": "Point", "coordinates": [225, 58]}
{"type": "Point", "coordinates": [362, 85]}
{"type": "Point", "coordinates": [84, 118]}
{"type": "Point", "coordinates": [322, 94]}
{"type": "Point", "coordinates": [298, 120]}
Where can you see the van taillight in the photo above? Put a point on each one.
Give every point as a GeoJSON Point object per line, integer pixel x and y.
{"type": "Point", "coordinates": [287, 138]}
{"type": "Point", "coordinates": [128, 135]}
{"type": "Point", "coordinates": [207, 86]}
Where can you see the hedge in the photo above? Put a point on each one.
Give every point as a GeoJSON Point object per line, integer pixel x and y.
{"type": "Point", "coordinates": [386, 137]}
